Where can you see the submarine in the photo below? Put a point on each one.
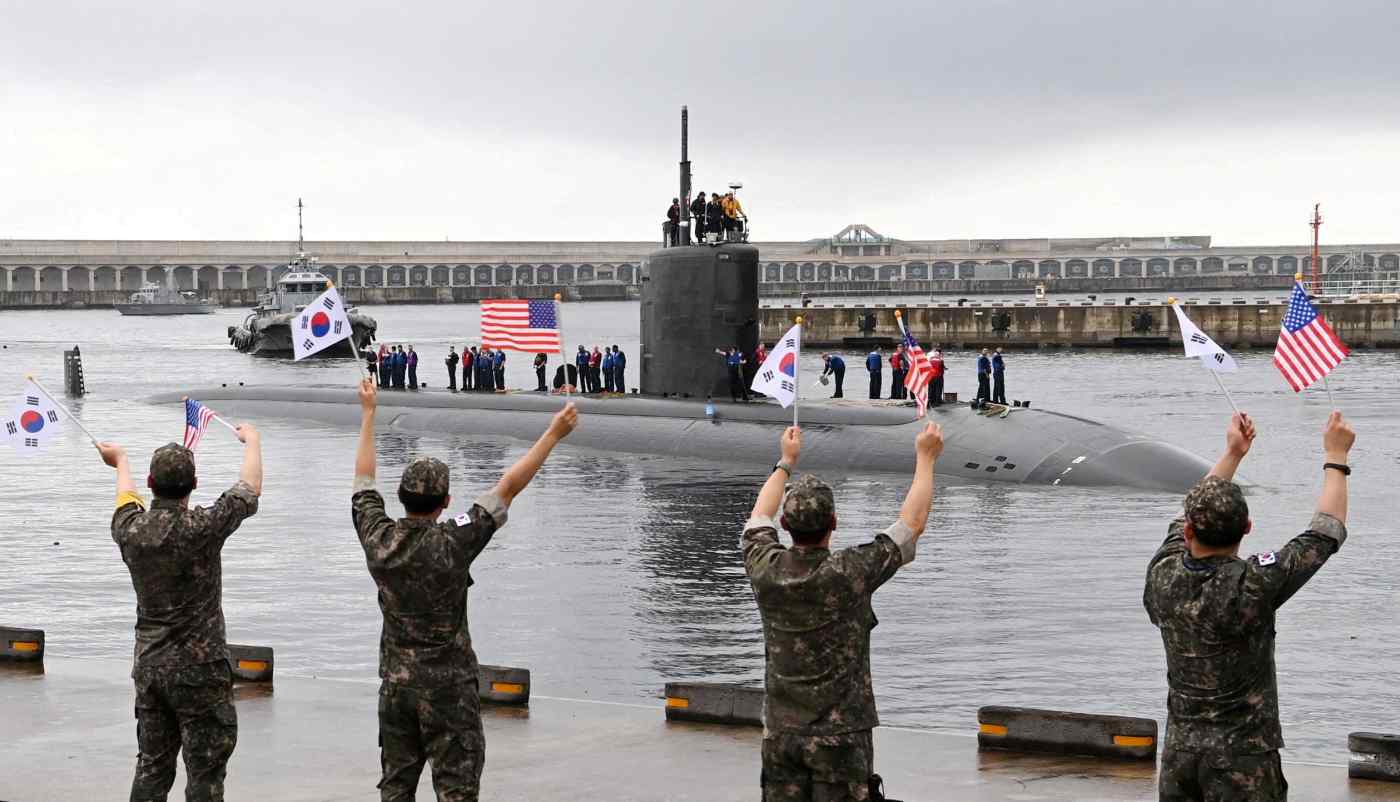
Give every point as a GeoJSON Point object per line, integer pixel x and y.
{"type": "Point", "coordinates": [695, 297]}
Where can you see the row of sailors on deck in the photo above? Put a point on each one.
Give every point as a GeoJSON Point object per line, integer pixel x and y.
{"type": "Point", "coordinates": [721, 215]}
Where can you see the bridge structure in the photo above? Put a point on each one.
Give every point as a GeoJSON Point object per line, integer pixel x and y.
{"type": "Point", "coordinates": [858, 255]}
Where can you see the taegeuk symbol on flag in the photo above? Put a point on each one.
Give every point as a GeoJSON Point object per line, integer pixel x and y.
{"type": "Point", "coordinates": [1199, 344]}
{"type": "Point", "coordinates": [777, 376]}
{"type": "Point", "coordinates": [34, 421]}
{"type": "Point", "coordinates": [321, 324]}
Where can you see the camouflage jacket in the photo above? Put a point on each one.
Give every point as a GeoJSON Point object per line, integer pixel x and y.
{"type": "Point", "coordinates": [817, 618]}
{"type": "Point", "coordinates": [421, 570]}
{"type": "Point", "coordinates": [1216, 616]}
{"type": "Point", "coordinates": [173, 554]}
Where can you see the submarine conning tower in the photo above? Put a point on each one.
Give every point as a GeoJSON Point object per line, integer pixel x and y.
{"type": "Point", "coordinates": [695, 299]}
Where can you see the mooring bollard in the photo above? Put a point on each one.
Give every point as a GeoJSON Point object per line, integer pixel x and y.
{"type": "Point", "coordinates": [21, 645]}
{"type": "Point", "coordinates": [1374, 756]}
{"type": "Point", "coordinates": [503, 685]}
{"type": "Point", "coordinates": [73, 372]}
{"type": "Point", "coordinates": [1022, 729]}
{"type": "Point", "coordinates": [714, 702]}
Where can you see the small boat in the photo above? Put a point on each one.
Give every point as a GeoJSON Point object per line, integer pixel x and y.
{"type": "Point", "coordinates": [153, 299]}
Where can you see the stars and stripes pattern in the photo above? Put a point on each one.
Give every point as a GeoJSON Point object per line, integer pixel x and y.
{"type": "Point", "coordinates": [197, 417]}
{"type": "Point", "coordinates": [920, 371]}
{"type": "Point", "coordinates": [520, 325]}
{"type": "Point", "coordinates": [1307, 347]}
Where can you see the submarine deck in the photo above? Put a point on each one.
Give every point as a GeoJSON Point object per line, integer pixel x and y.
{"type": "Point", "coordinates": [69, 734]}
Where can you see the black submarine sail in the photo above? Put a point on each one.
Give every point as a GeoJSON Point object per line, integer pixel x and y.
{"type": "Point", "coordinates": [699, 297]}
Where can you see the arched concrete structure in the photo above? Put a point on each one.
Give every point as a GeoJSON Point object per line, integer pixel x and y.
{"type": "Point", "coordinates": [206, 279]}
{"type": "Point", "coordinates": [396, 276]}
{"type": "Point", "coordinates": [1076, 268]}
{"type": "Point", "coordinates": [278, 272]}
{"type": "Point", "coordinates": [790, 271]}
{"type": "Point", "coordinates": [585, 273]}
{"type": "Point", "coordinates": [129, 279]}
{"type": "Point", "coordinates": [235, 277]}
{"type": "Point", "coordinates": [1334, 261]}
{"type": "Point", "coordinates": [462, 275]}
{"type": "Point", "coordinates": [1237, 264]}
{"type": "Point", "coordinates": [1212, 264]}
{"type": "Point", "coordinates": [626, 273]}
{"type": "Point", "coordinates": [544, 274]}
{"type": "Point", "coordinates": [418, 276]}
{"type": "Point", "coordinates": [1389, 261]}
{"type": "Point", "coordinates": [24, 279]}
{"type": "Point", "coordinates": [352, 276]}
{"type": "Point", "coordinates": [51, 279]}
{"type": "Point", "coordinates": [824, 271]}
{"type": "Point", "coordinates": [1103, 268]}
{"type": "Point", "coordinates": [773, 271]}
{"type": "Point", "coordinates": [807, 271]}
{"type": "Point", "coordinates": [1158, 267]}
{"type": "Point", "coordinates": [1130, 267]}
{"type": "Point", "coordinates": [524, 274]}
{"type": "Point", "coordinates": [945, 270]}
{"type": "Point", "coordinates": [1050, 268]}
{"type": "Point", "coordinates": [1184, 266]}
{"type": "Point", "coordinates": [503, 274]}
{"type": "Point", "coordinates": [967, 269]}
{"type": "Point", "coordinates": [863, 273]}
{"type": "Point", "coordinates": [565, 274]}
{"type": "Point", "coordinates": [1263, 265]}
{"type": "Point", "coordinates": [442, 275]}
{"type": "Point", "coordinates": [841, 272]}
{"type": "Point", "coordinates": [605, 272]}
{"type": "Point", "coordinates": [1287, 265]}
{"type": "Point", "coordinates": [106, 278]}
{"type": "Point", "coordinates": [891, 272]}
{"type": "Point", "coordinates": [481, 275]}
{"type": "Point", "coordinates": [1023, 268]}
{"type": "Point", "coordinates": [374, 276]}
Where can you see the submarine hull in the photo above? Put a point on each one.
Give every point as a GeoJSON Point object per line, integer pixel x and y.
{"type": "Point", "coordinates": [1030, 446]}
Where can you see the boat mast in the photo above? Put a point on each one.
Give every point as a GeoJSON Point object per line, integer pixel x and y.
{"type": "Point", "coordinates": [301, 243]}
{"type": "Point", "coordinates": [683, 235]}
{"type": "Point", "coordinates": [1317, 269]}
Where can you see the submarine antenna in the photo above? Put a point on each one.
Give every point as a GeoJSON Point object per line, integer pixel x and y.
{"type": "Point", "coordinates": [684, 234]}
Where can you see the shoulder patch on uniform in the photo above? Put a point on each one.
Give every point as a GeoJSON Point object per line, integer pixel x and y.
{"type": "Point", "coordinates": [1266, 558]}
{"type": "Point", "coordinates": [463, 519]}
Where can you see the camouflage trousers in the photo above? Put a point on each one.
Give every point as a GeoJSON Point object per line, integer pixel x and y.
{"type": "Point", "coordinates": [1203, 777]}
{"type": "Point", "coordinates": [187, 708]}
{"type": "Point", "coordinates": [441, 726]}
{"type": "Point", "coordinates": [818, 768]}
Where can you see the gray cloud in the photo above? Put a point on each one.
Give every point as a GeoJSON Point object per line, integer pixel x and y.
{"type": "Point", "coordinates": [539, 121]}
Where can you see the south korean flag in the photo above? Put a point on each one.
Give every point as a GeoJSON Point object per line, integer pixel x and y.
{"type": "Point", "coordinates": [34, 421]}
{"type": "Point", "coordinates": [1199, 344]}
{"type": "Point", "coordinates": [321, 324]}
{"type": "Point", "coordinates": [777, 376]}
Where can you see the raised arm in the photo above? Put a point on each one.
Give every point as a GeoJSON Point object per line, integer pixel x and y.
{"type": "Point", "coordinates": [1238, 438]}
{"type": "Point", "coordinates": [364, 453]}
{"type": "Point", "coordinates": [771, 496]}
{"type": "Point", "coordinates": [520, 474]}
{"type": "Point", "coordinates": [115, 456]}
{"type": "Point", "coordinates": [1336, 445]}
{"type": "Point", "coordinates": [927, 448]}
{"type": "Point", "coordinates": [251, 472]}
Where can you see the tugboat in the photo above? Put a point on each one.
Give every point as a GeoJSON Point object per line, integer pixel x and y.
{"type": "Point", "coordinates": [268, 332]}
{"type": "Point", "coordinates": [153, 299]}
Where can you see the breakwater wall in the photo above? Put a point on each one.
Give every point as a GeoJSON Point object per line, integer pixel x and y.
{"type": "Point", "coordinates": [105, 299]}
{"type": "Point", "coordinates": [1363, 323]}
{"type": "Point", "coordinates": [1024, 286]}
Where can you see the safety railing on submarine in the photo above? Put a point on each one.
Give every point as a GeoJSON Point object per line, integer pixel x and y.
{"type": "Point", "coordinates": [671, 235]}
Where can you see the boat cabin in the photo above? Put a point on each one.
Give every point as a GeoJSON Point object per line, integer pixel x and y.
{"type": "Point", "coordinates": [296, 290]}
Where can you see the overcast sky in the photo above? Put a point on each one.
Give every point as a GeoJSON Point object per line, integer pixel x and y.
{"type": "Point", "coordinates": [520, 120]}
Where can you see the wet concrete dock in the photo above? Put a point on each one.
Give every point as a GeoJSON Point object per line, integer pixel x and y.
{"type": "Point", "coordinates": [69, 734]}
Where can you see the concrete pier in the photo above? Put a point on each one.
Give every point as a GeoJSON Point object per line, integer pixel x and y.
{"type": "Point", "coordinates": [70, 735]}
{"type": "Point", "coordinates": [1361, 323]}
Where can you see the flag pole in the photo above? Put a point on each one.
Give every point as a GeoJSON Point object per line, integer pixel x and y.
{"type": "Point", "coordinates": [361, 369]}
{"type": "Point", "coordinates": [1223, 390]}
{"type": "Point", "coordinates": [1329, 391]}
{"type": "Point", "coordinates": [55, 402]}
{"type": "Point", "coordinates": [559, 319]}
{"type": "Point", "coordinates": [216, 417]}
{"type": "Point", "coordinates": [796, 373]}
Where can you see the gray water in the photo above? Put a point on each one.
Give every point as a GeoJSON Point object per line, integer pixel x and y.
{"type": "Point", "coordinates": [618, 573]}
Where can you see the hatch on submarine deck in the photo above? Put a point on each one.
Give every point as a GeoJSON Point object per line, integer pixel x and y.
{"type": "Point", "coordinates": [1029, 446]}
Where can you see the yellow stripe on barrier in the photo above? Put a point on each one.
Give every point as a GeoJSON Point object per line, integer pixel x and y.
{"type": "Point", "coordinates": [24, 645]}
{"type": "Point", "coordinates": [1133, 740]}
{"type": "Point", "coordinates": [673, 701]}
{"type": "Point", "coordinates": [252, 665]}
{"type": "Point", "coordinates": [992, 729]}
{"type": "Point", "coordinates": [507, 687]}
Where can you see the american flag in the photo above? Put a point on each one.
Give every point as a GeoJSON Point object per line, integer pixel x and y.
{"type": "Point", "coordinates": [521, 325]}
{"type": "Point", "coordinates": [197, 417]}
{"type": "Point", "coordinates": [920, 371]}
{"type": "Point", "coordinates": [1307, 348]}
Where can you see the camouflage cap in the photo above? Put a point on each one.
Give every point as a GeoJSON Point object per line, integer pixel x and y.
{"type": "Point", "coordinates": [425, 476]}
{"type": "Point", "coordinates": [172, 466]}
{"type": "Point", "coordinates": [809, 505]}
{"type": "Point", "coordinates": [1217, 511]}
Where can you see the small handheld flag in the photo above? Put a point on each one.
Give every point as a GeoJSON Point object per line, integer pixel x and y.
{"type": "Point", "coordinates": [197, 417]}
{"type": "Point", "coordinates": [321, 324]}
{"type": "Point", "coordinates": [920, 367]}
{"type": "Point", "coordinates": [1199, 344]}
{"type": "Point", "coordinates": [34, 420]}
{"type": "Point", "coordinates": [1307, 347]}
{"type": "Point", "coordinates": [521, 325]}
{"type": "Point", "coordinates": [777, 376]}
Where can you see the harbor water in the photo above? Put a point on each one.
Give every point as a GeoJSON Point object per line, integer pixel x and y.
{"type": "Point", "coordinates": [617, 573]}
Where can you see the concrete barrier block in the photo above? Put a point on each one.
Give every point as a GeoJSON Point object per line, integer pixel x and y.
{"type": "Point", "coordinates": [21, 645]}
{"type": "Point", "coordinates": [715, 702]}
{"type": "Point", "coordinates": [1374, 756]}
{"type": "Point", "coordinates": [1021, 729]}
{"type": "Point", "coordinates": [250, 663]}
{"type": "Point", "coordinates": [502, 685]}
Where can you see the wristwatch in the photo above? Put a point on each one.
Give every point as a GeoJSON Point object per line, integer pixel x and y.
{"type": "Point", "coordinates": [1337, 466]}
{"type": "Point", "coordinates": [784, 467]}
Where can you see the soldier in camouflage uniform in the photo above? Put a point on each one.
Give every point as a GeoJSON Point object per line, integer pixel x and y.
{"type": "Point", "coordinates": [184, 688]}
{"type": "Point", "coordinates": [1216, 613]}
{"type": "Point", "coordinates": [819, 704]}
{"type": "Point", "coordinates": [429, 709]}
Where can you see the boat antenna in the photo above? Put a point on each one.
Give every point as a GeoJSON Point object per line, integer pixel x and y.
{"type": "Point", "coordinates": [301, 243]}
{"type": "Point", "coordinates": [684, 233]}
{"type": "Point", "coordinates": [1316, 224]}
